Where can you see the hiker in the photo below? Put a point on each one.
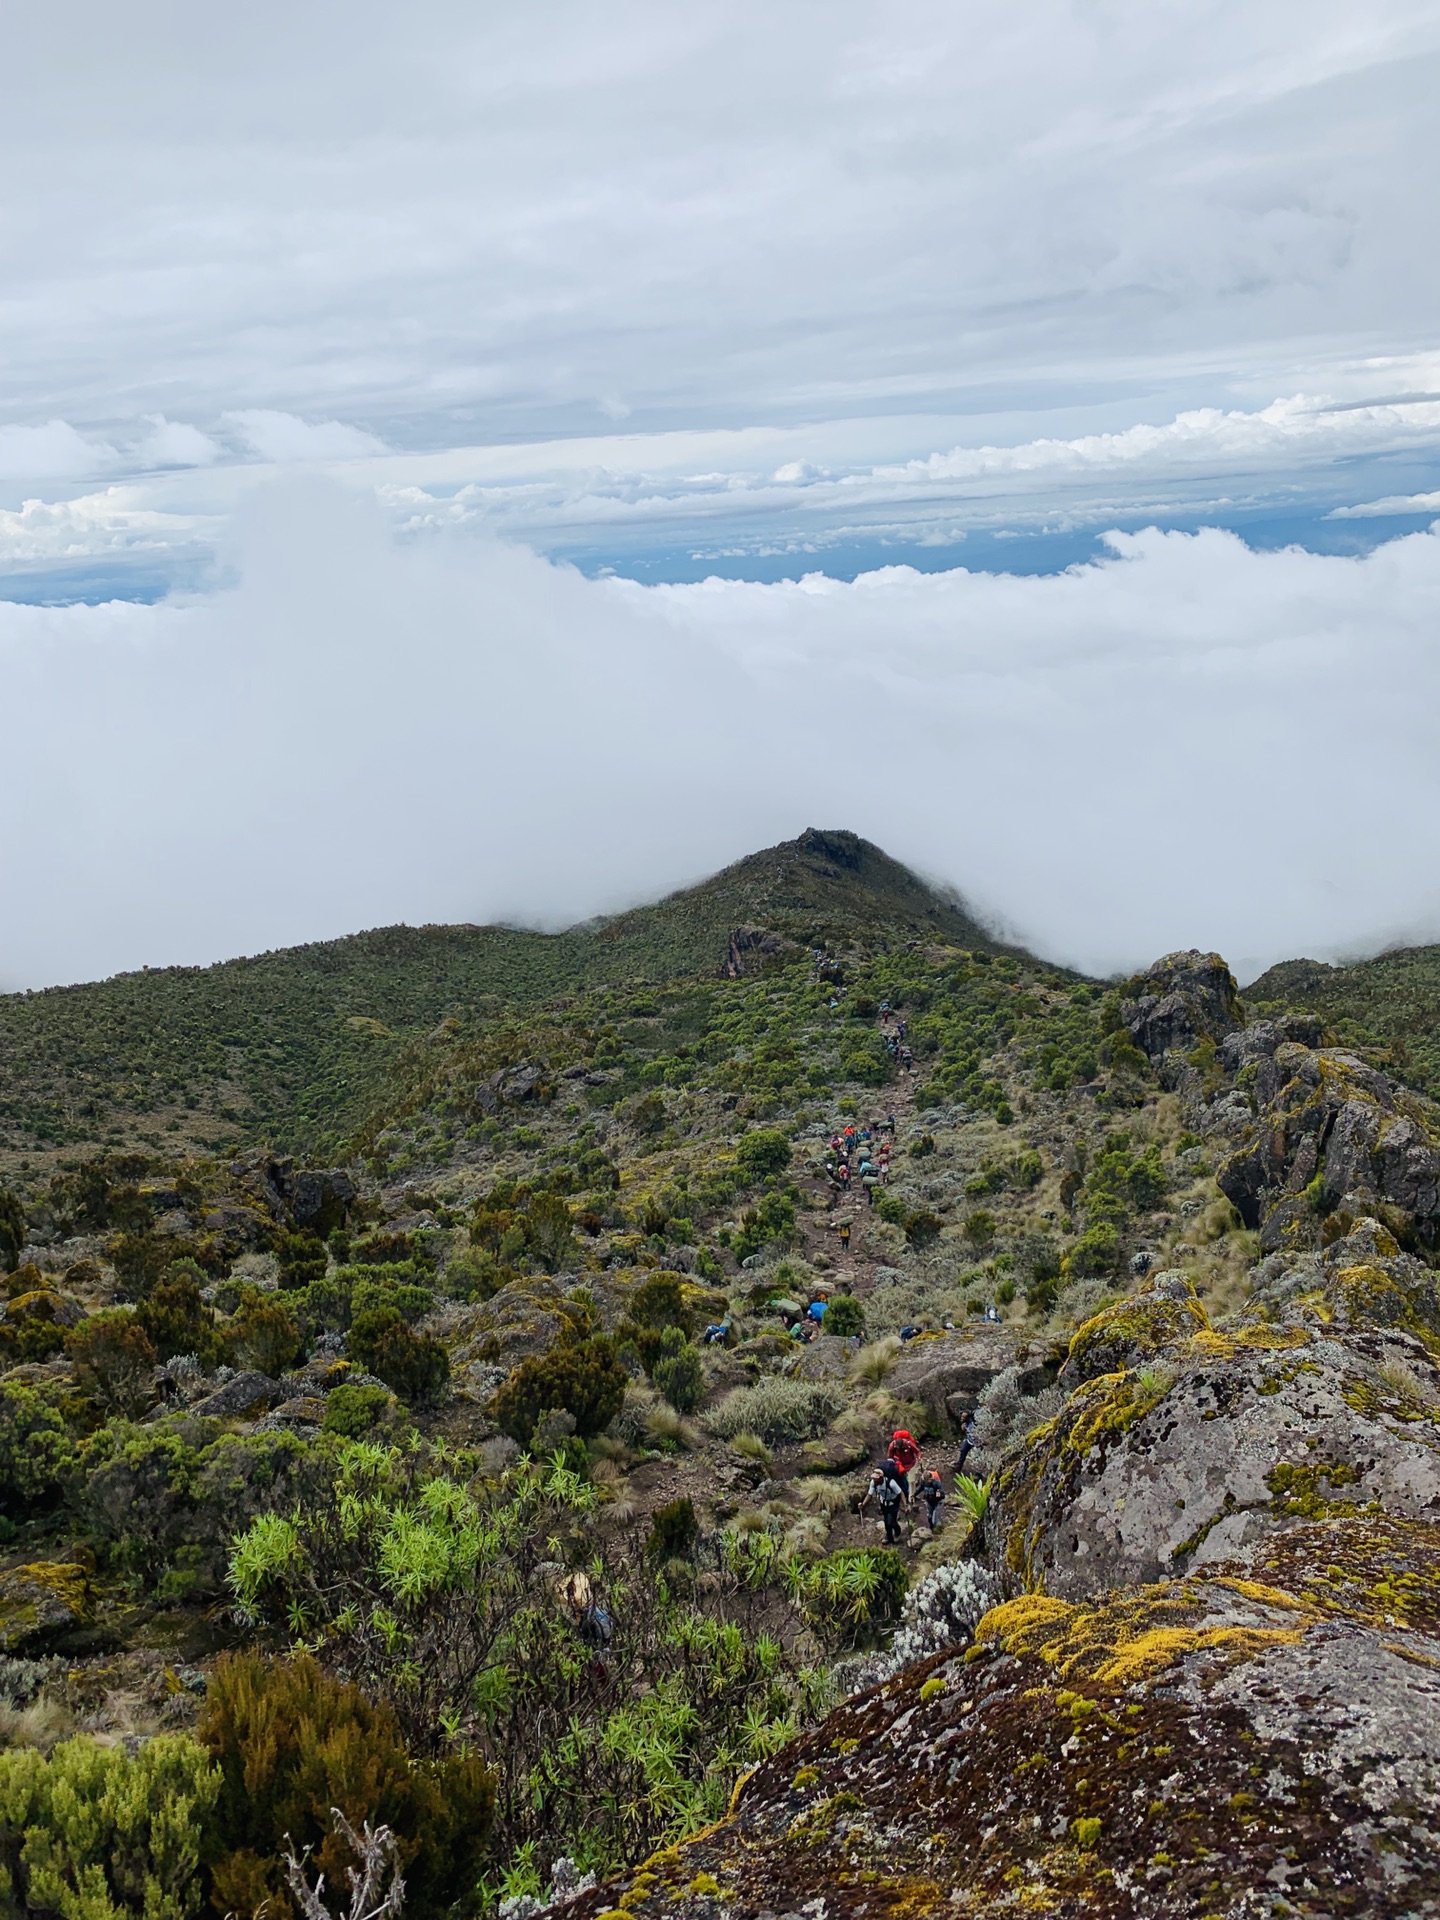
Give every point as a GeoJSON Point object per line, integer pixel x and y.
{"type": "Point", "coordinates": [905, 1453]}
{"type": "Point", "coordinates": [886, 1490]}
{"type": "Point", "coordinates": [714, 1335]}
{"type": "Point", "coordinates": [969, 1440]}
{"type": "Point", "coordinates": [933, 1494]}
{"type": "Point", "coordinates": [870, 1183]}
{"type": "Point", "coordinates": [592, 1621]}
{"type": "Point", "coordinates": [844, 1236]}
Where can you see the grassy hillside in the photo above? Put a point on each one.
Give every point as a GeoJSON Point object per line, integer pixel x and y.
{"type": "Point", "coordinates": [1390, 1004]}
{"type": "Point", "coordinates": [294, 1047]}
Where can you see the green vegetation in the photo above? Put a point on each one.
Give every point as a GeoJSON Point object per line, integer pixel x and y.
{"type": "Point", "coordinates": [1388, 1007]}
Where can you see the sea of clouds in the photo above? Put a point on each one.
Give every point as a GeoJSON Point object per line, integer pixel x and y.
{"type": "Point", "coordinates": [1187, 742]}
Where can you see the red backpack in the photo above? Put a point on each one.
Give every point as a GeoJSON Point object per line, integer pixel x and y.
{"type": "Point", "coordinates": [904, 1451]}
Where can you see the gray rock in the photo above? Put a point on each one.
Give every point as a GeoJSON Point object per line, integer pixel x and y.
{"type": "Point", "coordinates": [239, 1395]}
{"type": "Point", "coordinates": [1180, 1000]}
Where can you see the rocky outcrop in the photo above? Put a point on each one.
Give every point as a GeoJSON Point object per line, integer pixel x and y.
{"type": "Point", "coordinates": [1331, 1136]}
{"type": "Point", "coordinates": [1184, 1444]}
{"type": "Point", "coordinates": [750, 950]}
{"type": "Point", "coordinates": [315, 1197]}
{"type": "Point", "coordinates": [1256, 1741]}
{"type": "Point", "coordinates": [1181, 1000]}
{"type": "Point", "coordinates": [510, 1086]}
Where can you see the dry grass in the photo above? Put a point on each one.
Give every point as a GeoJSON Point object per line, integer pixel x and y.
{"type": "Point", "coordinates": [824, 1495]}
{"type": "Point", "coordinates": [43, 1724]}
{"type": "Point", "coordinates": [751, 1447]}
{"type": "Point", "coordinates": [873, 1362]}
{"type": "Point", "coordinates": [664, 1425]}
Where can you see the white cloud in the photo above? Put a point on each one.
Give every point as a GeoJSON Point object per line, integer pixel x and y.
{"type": "Point", "coordinates": [1148, 752]}
{"type": "Point", "coordinates": [1393, 503]}
{"type": "Point", "coordinates": [454, 222]}
{"type": "Point", "coordinates": [54, 451]}
{"type": "Point", "coordinates": [285, 439]}
{"type": "Point", "coordinates": [174, 443]}
{"type": "Point", "coordinates": [91, 526]}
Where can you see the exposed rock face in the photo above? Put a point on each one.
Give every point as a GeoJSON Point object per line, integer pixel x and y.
{"type": "Point", "coordinates": [511, 1086]}
{"type": "Point", "coordinates": [1331, 1135]}
{"type": "Point", "coordinates": [305, 1197]}
{"type": "Point", "coordinates": [237, 1396]}
{"type": "Point", "coordinates": [1256, 1741]}
{"type": "Point", "coordinates": [749, 949]}
{"type": "Point", "coordinates": [1182, 999]}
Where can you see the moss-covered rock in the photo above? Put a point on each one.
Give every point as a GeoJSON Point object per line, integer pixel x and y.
{"type": "Point", "coordinates": [1218, 1441]}
{"type": "Point", "coordinates": [1331, 1134]}
{"type": "Point", "coordinates": [40, 1602]}
{"type": "Point", "coordinates": [1132, 1332]}
{"type": "Point", "coordinates": [1256, 1741]}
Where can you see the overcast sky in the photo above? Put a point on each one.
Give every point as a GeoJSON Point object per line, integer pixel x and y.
{"type": "Point", "coordinates": [539, 318]}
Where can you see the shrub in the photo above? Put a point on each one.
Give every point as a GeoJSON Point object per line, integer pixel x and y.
{"type": "Point", "coordinates": [585, 1379]}
{"type": "Point", "coordinates": [678, 1372]}
{"type": "Point", "coordinates": [673, 1531]}
{"type": "Point", "coordinates": [781, 1412]}
{"type": "Point", "coordinates": [37, 1456]}
{"type": "Point", "coordinates": [99, 1833]}
{"type": "Point", "coordinates": [32, 1328]}
{"type": "Point", "coordinates": [1097, 1251]}
{"type": "Point", "coordinates": [772, 1219]}
{"type": "Point", "coordinates": [763, 1152]}
{"type": "Point", "coordinates": [14, 1229]}
{"type": "Point", "coordinates": [302, 1259]}
{"type": "Point", "coordinates": [290, 1743]}
{"type": "Point", "coordinates": [114, 1361]}
{"type": "Point", "coordinates": [412, 1303]}
{"type": "Point", "coordinates": [939, 1612]}
{"type": "Point", "coordinates": [852, 1596]}
{"type": "Point", "coordinates": [176, 1319]}
{"type": "Point", "coordinates": [353, 1410]}
{"type": "Point", "coordinates": [473, 1275]}
{"type": "Point", "coordinates": [264, 1335]}
{"type": "Point", "coordinates": [414, 1365]}
{"type": "Point", "coordinates": [979, 1227]}
{"type": "Point", "coordinates": [892, 1208]}
{"type": "Point", "coordinates": [844, 1315]}
{"type": "Point", "coordinates": [922, 1228]}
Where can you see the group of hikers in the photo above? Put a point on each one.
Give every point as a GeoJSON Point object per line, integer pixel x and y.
{"type": "Point", "coordinates": [890, 1486]}
{"type": "Point", "coordinates": [892, 1032]}
{"type": "Point", "coordinates": [860, 1156]}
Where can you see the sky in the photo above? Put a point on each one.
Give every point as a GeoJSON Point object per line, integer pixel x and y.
{"type": "Point", "coordinates": [462, 462]}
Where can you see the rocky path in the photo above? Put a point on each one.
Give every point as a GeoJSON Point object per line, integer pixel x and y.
{"type": "Point", "coordinates": [820, 1223]}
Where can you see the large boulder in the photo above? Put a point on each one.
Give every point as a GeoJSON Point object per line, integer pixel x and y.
{"type": "Point", "coordinates": [1181, 1000]}
{"type": "Point", "coordinates": [1132, 1332]}
{"type": "Point", "coordinates": [1254, 1741]}
{"type": "Point", "coordinates": [1332, 1135]}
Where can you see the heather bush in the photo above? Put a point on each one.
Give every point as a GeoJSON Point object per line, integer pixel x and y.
{"type": "Point", "coordinates": [176, 1319]}
{"type": "Point", "coordinates": [114, 1361]}
{"type": "Point", "coordinates": [763, 1152]}
{"type": "Point", "coordinates": [14, 1229]}
{"type": "Point", "coordinates": [290, 1742]}
{"type": "Point", "coordinates": [678, 1372]}
{"type": "Point", "coordinates": [37, 1454]}
{"type": "Point", "coordinates": [413, 1365]}
{"type": "Point", "coordinates": [583, 1377]}
{"type": "Point", "coordinates": [351, 1410]}
{"type": "Point", "coordinates": [844, 1315]}
{"type": "Point", "coordinates": [264, 1335]}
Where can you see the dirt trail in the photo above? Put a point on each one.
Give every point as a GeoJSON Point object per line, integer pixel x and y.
{"type": "Point", "coordinates": [819, 1230]}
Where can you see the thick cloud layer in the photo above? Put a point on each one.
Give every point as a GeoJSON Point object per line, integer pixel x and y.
{"type": "Point", "coordinates": [1188, 743]}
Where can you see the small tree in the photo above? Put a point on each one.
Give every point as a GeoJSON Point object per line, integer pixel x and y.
{"type": "Point", "coordinates": [585, 1379]}
{"type": "Point", "coordinates": [678, 1372]}
{"type": "Point", "coordinates": [114, 1361]}
{"type": "Point", "coordinates": [264, 1335]}
{"type": "Point", "coordinates": [844, 1315]}
{"type": "Point", "coordinates": [14, 1229]}
{"type": "Point", "coordinates": [414, 1365]}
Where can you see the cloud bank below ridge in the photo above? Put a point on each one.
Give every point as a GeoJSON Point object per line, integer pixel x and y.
{"type": "Point", "coordinates": [1186, 743]}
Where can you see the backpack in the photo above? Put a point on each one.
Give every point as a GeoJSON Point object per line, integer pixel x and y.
{"type": "Point", "coordinates": [889, 1492]}
{"type": "Point", "coordinates": [904, 1451]}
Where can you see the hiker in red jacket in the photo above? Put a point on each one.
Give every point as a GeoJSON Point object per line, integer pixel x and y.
{"type": "Point", "coordinates": [906, 1455]}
